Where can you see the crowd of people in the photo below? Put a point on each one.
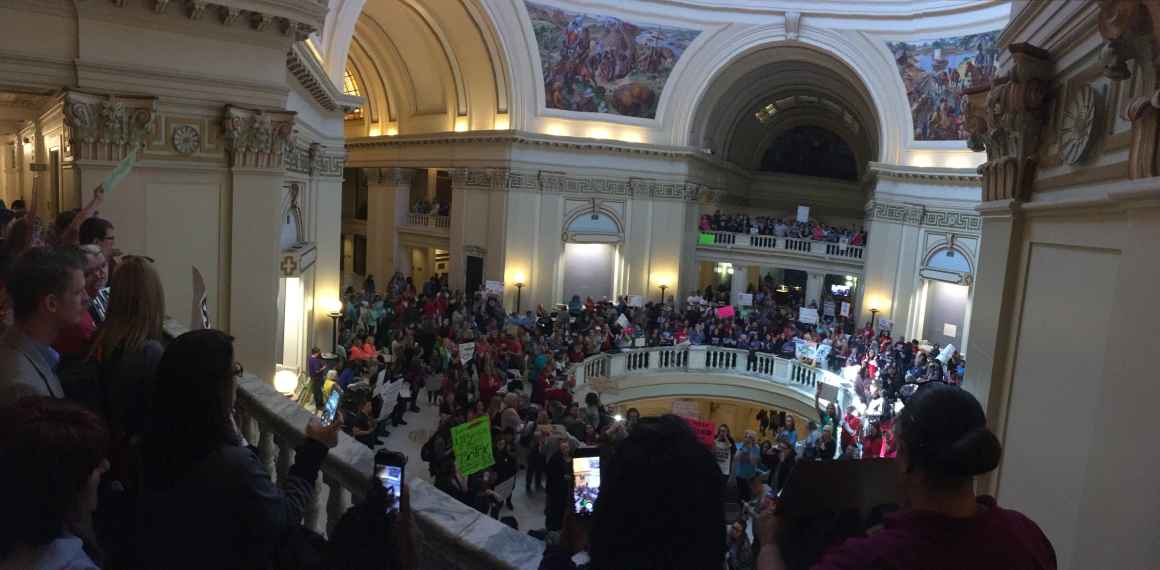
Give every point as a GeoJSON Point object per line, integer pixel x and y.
{"type": "Point", "coordinates": [780, 227]}
{"type": "Point", "coordinates": [431, 207]}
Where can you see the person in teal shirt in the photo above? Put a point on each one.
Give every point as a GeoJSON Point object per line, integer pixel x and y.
{"type": "Point", "coordinates": [745, 463]}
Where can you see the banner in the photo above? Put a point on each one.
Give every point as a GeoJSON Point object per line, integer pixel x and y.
{"type": "Point", "coordinates": [845, 309]}
{"type": "Point", "coordinates": [803, 214]}
{"type": "Point", "coordinates": [466, 352]}
{"type": "Point", "coordinates": [725, 312]}
{"type": "Point", "coordinates": [494, 287]}
{"type": "Point", "coordinates": [635, 301]}
{"type": "Point", "coordinates": [808, 316]}
{"type": "Point", "coordinates": [705, 431]}
{"type": "Point", "coordinates": [686, 408]}
{"type": "Point", "coordinates": [706, 239]}
{"type": "Point", "coordinates": [471, 443]}
{"type": "Point", "coordinates": [745, 299]}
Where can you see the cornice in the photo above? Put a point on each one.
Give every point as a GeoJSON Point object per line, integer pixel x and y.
{"type": "Point", "coordinates": [309, 73]}
{"type": "Point", "coordinates": [921, 216]}
{"type": "Point", "coordinates": [294, 18]}
{"type": "Point", "coordinates": [517, 180]}
{"type": "Point", "coordinates": [956, 176]}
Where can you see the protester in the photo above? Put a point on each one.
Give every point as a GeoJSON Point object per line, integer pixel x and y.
{"type": "Point", "coordinates": [47, 292]}
{"type": "Point", "coordinates": [54, 454]}
{"type": "Point", "coordinates": [944, 444]}
{"type": "Point", "coordinates": [209, 501]}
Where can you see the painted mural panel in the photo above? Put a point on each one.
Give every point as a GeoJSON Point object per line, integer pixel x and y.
{"type": "Point", "coordinates": [601, 64]}
{"type": "Point", "coordinates": [935, 72]}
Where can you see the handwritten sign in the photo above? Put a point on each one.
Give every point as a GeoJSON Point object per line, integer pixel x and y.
{"type": "Point", "coordinates": [493, 287]}
{"type": "Point", "coordinates": [828, 308]}
{"type": "Point", "coordinates": [471, 443]}
{"type": "Point", "coordinates": [635, 301]}
{"type": "Point", "coordinates": [121, 170]}
{"type": "Point", "coordinates": [725, 312]}
{"type": "Point", "coordinates": [705, 431]}
{"type": "Point", "coordinates": [803, 214]}
{"type": "Point", "coordinates": [808, 316]}
{"type": "Point", "coordinates": [466, 352]}
{"type": "Point", "coordinates": [706, 239]}
{"type": "Point", "coordinates": [845, 309]}
{"type": "Point", "coordinates": [950, 330]}
{"type": "Point", "coordinates": [745, 299]}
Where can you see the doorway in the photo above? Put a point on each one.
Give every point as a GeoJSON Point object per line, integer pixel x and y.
{"type": "Point", "coordinates": [588, 270]}
{"type": "Point", "coordinates": [944, 312]}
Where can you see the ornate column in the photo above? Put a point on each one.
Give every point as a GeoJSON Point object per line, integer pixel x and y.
{"type": "Point", "coordinates": [1130, 29]}
{"type": "Point", "coordinates": [388, 200]}
{"type": "Point", "coordinates": [1005, 119]}
{"type": "Point", "coordinates": [814, 283]}
{"type": "Point", "coordinates": [256, 144]}
{"type": "Point", "coordinates": [99, 131]}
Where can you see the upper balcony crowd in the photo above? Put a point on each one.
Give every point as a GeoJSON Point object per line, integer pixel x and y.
{"type": "Point", "coordinates": [781, 227]}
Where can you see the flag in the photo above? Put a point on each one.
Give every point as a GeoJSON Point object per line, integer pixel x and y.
{"type": "Point", "coordinates": [199, 319]}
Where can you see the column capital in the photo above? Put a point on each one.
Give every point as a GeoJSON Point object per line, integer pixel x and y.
{"type": "Point", "coordinates": [106, 127]}
{"type": "Point", "coordinates": [389, 176]}
{"type": "Point", "coordinates": [258, 139]}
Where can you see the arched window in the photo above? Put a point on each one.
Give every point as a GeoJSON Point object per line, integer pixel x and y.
{"type": "Point", "coordinates": [350, 87]}
{"type": "Point", "coordinates": [947, 263]}
{"type": "Point", "coordinates": [593, 226]}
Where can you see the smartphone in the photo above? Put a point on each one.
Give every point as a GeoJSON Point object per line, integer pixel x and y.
{"type": "Point", "coordinates": [585, 480]}
{"type": "Point", "coordinates": [331, 406]}
{"type": "Point", "coordinates": [390, 476]}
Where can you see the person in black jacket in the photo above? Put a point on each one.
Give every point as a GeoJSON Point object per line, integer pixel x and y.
{"type": "Point", "coordinates": [208, 501]}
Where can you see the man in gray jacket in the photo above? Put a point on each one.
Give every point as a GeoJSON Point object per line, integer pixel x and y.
{"type": "Point", "coordinates": [47, 290]}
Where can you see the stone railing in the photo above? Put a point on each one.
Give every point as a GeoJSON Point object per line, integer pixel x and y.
{"type": "Point", "coordinates": [450, 535]}
{"type": "Point", "coordinates": [428, 220]}
{"type": "Point", "coordinates": [813, 248]}
{"type": "Point", "coordinates": [801, 378]}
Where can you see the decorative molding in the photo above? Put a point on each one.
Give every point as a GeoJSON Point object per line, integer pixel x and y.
{"type": "Point", "coordinates": [915, 215]}
{"type": "Point", "coordinates": [230, 15]}
{"type": "Point", "coordinates": [186, 140]}
{"type": "Point", "coordinates": [1130, 29]}
{"type": "Point", "coordinates": [793, 25]}
{"type": "Point", "coordinates": [1077, 125]}
{"type": "Point", "coordinates": [106, 127]}
{"type": "Point", "coordinates": [197, 9]}
{"type": "Point", "coordinates": [396, 177]}
{"type": "Point", "coordinates": [957, 176]}
{"type": "Point", "coordinates": [504, 180]}
{"type": "Point", "coordinates": [525, 138]}
{"type": "Point", "coordinates": [258, 139]}
{"type": "Point", "coordinates": [1005, 118]}
{"type": "Point", "coordinates": [309, 73]}
{"type": "Point", "coordinates": [159, 6]}
{"type": "Point", "coordinates": [475, 251]}
{"type": "Point", "coordinates": [296, 260]}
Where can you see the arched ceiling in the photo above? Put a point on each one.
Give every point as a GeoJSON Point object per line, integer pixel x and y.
{"type": "Point", "coordinates": [763, 94]}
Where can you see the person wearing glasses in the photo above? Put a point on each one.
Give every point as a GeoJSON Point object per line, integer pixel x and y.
{"type": "Point", "coordinates": [943, 444]}
{"type": "Point", "coordinates": [208, 500]}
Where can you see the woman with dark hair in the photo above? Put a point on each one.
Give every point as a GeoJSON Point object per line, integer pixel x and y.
{"type": "Point", "coordinates": [943, 444]}
{"type": "Point", "coordinates": [659, 506]}
{"type": "Point", "coordinates": [208, 501]}
{"type": "Point", "coordinates": [53, 453]}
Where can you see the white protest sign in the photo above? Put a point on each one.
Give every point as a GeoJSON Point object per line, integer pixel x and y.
{"type": "Point", "coordinates": [494, 287]}
{"type": "Point", "coordinates": [466, 352]}
{"type": "Point", "coordinates": [946, 353]}
{"type": "Point", "coordinates": [950, 330]}
{"type": "Point", "coordinates": [622, 321]}
{"type": "Point", "coordinates": [845, 309]}
{"type": "Point", "coordinates": [744, 299]}
{"type": "Point", "coordinates": [885, 324]}
{"type": "Point", "coordinates": [808, 316]}
{"type": "Point", "coordinates": [635, 301]}
{"type": "Point", "coordinates": [850, 373]}
{"type": "Point", "coordinates": [822, 353]}
{"type": "Point", "coordinates": [828, 392]}
{"type": "Point", "coordinates": [803, 214]}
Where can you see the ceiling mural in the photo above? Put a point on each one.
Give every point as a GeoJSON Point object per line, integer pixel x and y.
{"type": "Point", "coordinates": [935, 72]}
{"type": "Point", "coordinates": [601, 64]}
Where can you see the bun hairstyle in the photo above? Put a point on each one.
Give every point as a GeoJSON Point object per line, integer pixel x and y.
{"type": "Point", "coordinates": [945, 433]}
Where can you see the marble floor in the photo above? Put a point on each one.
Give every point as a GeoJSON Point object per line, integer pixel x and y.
{"type": "Point", "coordinates": [409, 439]}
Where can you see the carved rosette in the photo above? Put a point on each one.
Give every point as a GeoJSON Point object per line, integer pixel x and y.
{"type": "Point", "coordinates": [258, 139]}
{"type": "Point", "coordinates": [106, 127]}
{"type": "Point", "coordinates": [1130, 29]}
{"type": "Point", "coordinates": [1006, 119]}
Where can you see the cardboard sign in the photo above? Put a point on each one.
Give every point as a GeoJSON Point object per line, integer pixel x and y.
{"type": "Point", "coordinates": [950, 330]}
{"type": "Point", "coordinates": [808, 316]}
{"type": "Point", "coordinates": [494, 287]}
{"type": "Point", "coordinates": [706, 239]}
{"type": "Point", "coordinates": [471, 443]}
{"type": "Point", "coordinates": [803, 349]}
{"type": "Point", "coordinates": [828, 392]}
{"type": "Point", "coordinates": [705, 431]}
{"type": "Point", "coordinates": [822, 354]}
{"type": "Point", "coordinates": [885, 324]}
{"type": "Point", "coordinates": [803, 214]}
{"type": "Point", "coordinates": [635, 301]}
{"type": "Point", "coordinates": [725, 312]}
{"type": "Point", "coordinates": [466, 352]}
{"type": "Point", "coordinates": [622, 321]}
{"type": "Point", "coordinates": [121, 170]}
{"type": "Point", "coordinates": [947, 352]}
{"type": "Point", "coordinates": [686, 408]}
{"type": "Point", "coordinates": [845, 309]}
{"type": "Point", "coordinates": [744, 299]}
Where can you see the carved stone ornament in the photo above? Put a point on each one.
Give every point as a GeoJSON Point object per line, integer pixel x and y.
{"type": "Point", "coordinates": [106, 127]}
{"type": "Point", "coordinates": [1006, 118]}
{"type": "Point", "coordinates": [1077, 126]}
{"type": "Point", "coordinates": [186, 140]}
{"type": "Point", "coordinates": [1130, 29]}
{"type": "Point", "coordinates": [257, 139]}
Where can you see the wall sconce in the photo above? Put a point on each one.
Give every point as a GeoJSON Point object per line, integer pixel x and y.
{"type": "Point", "coordinates": [520, 278]}
{"type": "Point", "coordinates": [285, 381]}
{"type": "Point", "coordinates": [502, 123]}
{"type": "Point", "coordinates": [461, 124]}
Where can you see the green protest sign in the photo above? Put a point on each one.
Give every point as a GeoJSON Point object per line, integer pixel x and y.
{"type": "Point", "coordinates": [120, 171]}
{"type": "Point", "coordinates": [471, 443]}
{"type": "Point", "coordinates": [706, 239]}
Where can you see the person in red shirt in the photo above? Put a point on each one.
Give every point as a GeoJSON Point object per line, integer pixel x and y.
{"type": "Point", "coordinates": [365, 352]}
{"type": "Point", "coordinates": [872, 443]}
{"type": "Point", "coordinates": [851, 427]}
{"type": "Point", "coordinates": [490, 382]}
{"type": "Point", "coordinates": [75, 341]}
{"type": "Point", "coordinates": [943, 444]}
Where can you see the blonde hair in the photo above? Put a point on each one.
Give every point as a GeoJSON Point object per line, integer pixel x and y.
{"type": "Point", "coordinates": [136, 308]}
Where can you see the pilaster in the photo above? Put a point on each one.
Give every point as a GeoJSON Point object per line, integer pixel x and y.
{"type": "Point", "coordinates": [388, 197]}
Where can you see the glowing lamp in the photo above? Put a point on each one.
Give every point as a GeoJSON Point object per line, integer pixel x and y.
{"type": "Point", "coordinates": [285, 381]}
{"type": "Point", "coordinates": [332, 305]}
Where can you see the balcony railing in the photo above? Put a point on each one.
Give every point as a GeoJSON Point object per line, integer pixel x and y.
{"type": "Point", "coordinates": [787, 372]}
{"type": "Point", "coordinates": [754, 242]}
{"type": "Point", "coordinates": [428, 220]}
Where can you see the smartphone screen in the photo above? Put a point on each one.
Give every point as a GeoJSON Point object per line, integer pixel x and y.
{"type": "Point", "coordinates": [331, 407]}
{"type": "Point", "coordinates": [585, 483]}
{"type": "Point", "coordinates": [391, 478]}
